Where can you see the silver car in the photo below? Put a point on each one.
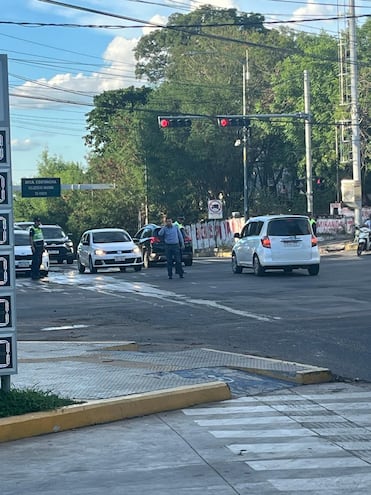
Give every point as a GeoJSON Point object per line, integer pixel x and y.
{"type": "Point", "coordinates": [276, 242]}
{"type": "Point", "coordinates": [107, 248]}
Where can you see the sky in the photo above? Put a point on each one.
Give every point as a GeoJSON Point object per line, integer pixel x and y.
{"type": "Point", "coordinates": [54, 71]}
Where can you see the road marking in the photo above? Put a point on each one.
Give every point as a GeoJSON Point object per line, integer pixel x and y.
{"type": "Point", "coordinates": [295, 453]}
{"type": "Point", "coordinates": [111, 286]}
{"type": "Point", "coordinates": [65, 327]}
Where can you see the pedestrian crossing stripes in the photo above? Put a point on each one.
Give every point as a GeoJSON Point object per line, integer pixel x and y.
{"type": "Point", "coordinates": [296, 442]}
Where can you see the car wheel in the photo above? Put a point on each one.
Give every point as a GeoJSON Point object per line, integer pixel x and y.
{"type": "Point", "coordinates": [146, 262]}
{"type": "Point", "coordinates": [69, 261]}
{"type": "Point", "coordinates": [80, 267]}
{"type": "Point", "coordinates": [313, 270]}
{"type": "Point", "coordinates": [258, 269]}
{"type": "Point", "coordinates": [235, 267]}
{"type": "Point", "coordinates": [92, 268]}
{"type": "Point", "coordinates": [188, 262]}
{"type": "Point", "coordinates": [138, 268]}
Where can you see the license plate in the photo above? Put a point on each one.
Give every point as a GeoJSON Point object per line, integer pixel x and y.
{"type": "Point", "coordinates": [23, 264]}
{"type": "Point", "coordinates": [119, 258]}
{"type": "Point", "coordinates": [53, 251]}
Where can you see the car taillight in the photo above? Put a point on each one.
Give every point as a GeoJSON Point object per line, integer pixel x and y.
{"type": "Point", "coordinates": [154, 240]}
{"type": "Point", "coordinates": [266, 242]}
{"type": "Point", "coordinates": [314, 241]}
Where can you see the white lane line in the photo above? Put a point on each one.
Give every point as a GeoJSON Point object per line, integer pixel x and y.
{"type": "Point", "coordinates": [66, 327]}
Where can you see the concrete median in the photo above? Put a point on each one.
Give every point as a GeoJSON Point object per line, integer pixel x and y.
{"type": "Point", "coordinates": [108, 410]}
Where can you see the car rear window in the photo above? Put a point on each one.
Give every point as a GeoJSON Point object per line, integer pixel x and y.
{"type": "Point", "coordinates": [53, 232]}
{"type": "Point", "coordinates": [105, 237]}
{"type": "Point", "coordinates": [21, 238]}
{"type": "Point", "coordinates": [288, 226]}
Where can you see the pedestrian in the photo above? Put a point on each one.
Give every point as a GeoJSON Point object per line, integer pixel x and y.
{"type": "Point", "coordinates": [179, 222]}
{"type": "Point", "coordinates": [37, 246]}
{"type": "Point", "coordinates": [368, 222]}
{"type": "Point", "coordinates": [313, 223]}
{"type": "Point", "coordinates": [174, 243]}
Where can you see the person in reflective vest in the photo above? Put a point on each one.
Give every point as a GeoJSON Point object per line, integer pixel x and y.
{"type": "Point", "coordinates": [313, 223]}
{"type": "Point", "coordinates": [37, 246]}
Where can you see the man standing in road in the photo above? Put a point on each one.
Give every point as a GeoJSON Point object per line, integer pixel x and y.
{"type": "Point", "coordinates": [174, 243]}
{"type": "Point", "coordinates": [37, 246]}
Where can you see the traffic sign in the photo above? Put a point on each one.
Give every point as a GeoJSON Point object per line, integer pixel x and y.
{"type": "Point", "coordinates": [215, 208]}
{"type": "Point", "coordinates": [41, 188]}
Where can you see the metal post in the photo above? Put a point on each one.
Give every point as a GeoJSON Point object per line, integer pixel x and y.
{"type": "Point", "coordinates": [356, 148]}
{"type": "Point", "coordinates": [5, 383]}
{"type": "Point", "coordinates": [245, 78]}
{"type": "Point", "coordinates": [308, 143]}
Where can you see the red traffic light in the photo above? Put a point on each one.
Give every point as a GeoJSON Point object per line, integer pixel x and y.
{"type": "Point", "coordinates": [174, 121]}
{"type": "Point", "coordinates": [224, 122]}
{"type": "Point", "coordinates": [164, 123]}
{"type": "Point", "coordinates": [233, 121]}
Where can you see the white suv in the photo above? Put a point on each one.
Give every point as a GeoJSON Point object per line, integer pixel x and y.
{"type": "Point", "coordinates": [274, 242]}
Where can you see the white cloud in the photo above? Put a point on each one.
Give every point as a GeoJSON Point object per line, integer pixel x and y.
{"type": "Point", "coordinates": [156, 19]}
{"type": "Point", "coordinates": [223, 4]}
{"type": "Point", "coordinates": [24, 144]}
{"type": "Point", "coordinates": [313, 9]}
{"type": "Point", "coordinates": [117, 72]}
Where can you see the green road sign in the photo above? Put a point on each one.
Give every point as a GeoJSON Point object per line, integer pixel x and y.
{"type": "Point", "coordinates": [41, 188]}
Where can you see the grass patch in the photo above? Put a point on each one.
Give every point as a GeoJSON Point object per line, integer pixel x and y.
{"type": "Point", "coordinates": [17, 401]}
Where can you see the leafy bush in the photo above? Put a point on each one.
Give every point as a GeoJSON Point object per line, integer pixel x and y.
{"type": "Point", "coordinates": [16, 402]}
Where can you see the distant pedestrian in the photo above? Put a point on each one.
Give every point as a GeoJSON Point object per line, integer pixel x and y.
{"type": "Point", "coordinates": [174, 243]}
{"type": "Point", "coordinates": [37, 246]}
{"type": "Point", "coordinates": [368, 222]}
{"type": "Point", "coordinates": [313, 223]}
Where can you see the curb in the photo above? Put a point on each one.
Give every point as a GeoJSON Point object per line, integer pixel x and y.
{"type": "Point", "coordinates": [289, 371]}
{"type": "Point", "coordinates": [108, 410]}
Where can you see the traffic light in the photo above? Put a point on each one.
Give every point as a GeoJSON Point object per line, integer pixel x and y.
{"type": "Point", "coordinates": [165, 122]}
{"type": "Point", "coordinates": [233, 121]}
{"type": "Point", "coordinates": [319, 182]}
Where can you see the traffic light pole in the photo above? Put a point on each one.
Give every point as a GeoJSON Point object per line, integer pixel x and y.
{"type": "Point", "coordinates": [308, 143]}
{"type": "Point", "coordinates": [245, 134]}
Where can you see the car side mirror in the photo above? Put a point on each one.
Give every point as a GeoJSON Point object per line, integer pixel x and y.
{"type": "Point", "coordinates": [237, 235]}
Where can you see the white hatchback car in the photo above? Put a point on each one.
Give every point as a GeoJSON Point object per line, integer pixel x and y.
{"type": "Point", "coordinates": [23, 254]}
{"type": "Point", "coordinates": [107, 248]}
{"type": "Point", "coordinates": [274, 242]}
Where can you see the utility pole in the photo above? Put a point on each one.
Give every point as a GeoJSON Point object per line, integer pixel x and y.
{"type": "Point", "coordinates": [356, 146]}
{"type": "Point", "coordinates": [245, 136]}
{"type": "Point", "coordinates": [308, 143]}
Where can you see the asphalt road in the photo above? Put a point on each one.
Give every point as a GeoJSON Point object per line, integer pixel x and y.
{"type": "Point", "coordinates": [322, 321]}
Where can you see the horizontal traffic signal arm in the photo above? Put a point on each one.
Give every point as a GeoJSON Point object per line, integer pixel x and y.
{"type": "Point", "coordinates": [167, 121]}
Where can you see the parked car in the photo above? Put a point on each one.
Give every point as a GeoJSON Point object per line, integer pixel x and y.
{"type": "Point", "coordinates": [107, 248]}
{"type": "Point", "coordinates": [58, 244]}
{"type": "Point", "coordinates": [284, 242]}
{"type": "Point", "coordinates": [153, 247]}
{"type": "Point", "coordinates": [23, 225]}
{"type": "Point", "coordinates": [23, 254]}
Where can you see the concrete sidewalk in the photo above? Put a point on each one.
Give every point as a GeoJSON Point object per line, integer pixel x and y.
{"type": "Point", "coordinates": [116, 381]}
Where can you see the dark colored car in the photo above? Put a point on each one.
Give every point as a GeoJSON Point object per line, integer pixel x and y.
{"type": "Point", "coordinates": [153, 248]}
{"type": "Point", "coordinates": [58, 244]}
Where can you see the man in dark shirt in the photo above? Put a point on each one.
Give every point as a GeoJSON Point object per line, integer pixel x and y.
{"type": "Point", "coordinates": [174, 243]}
